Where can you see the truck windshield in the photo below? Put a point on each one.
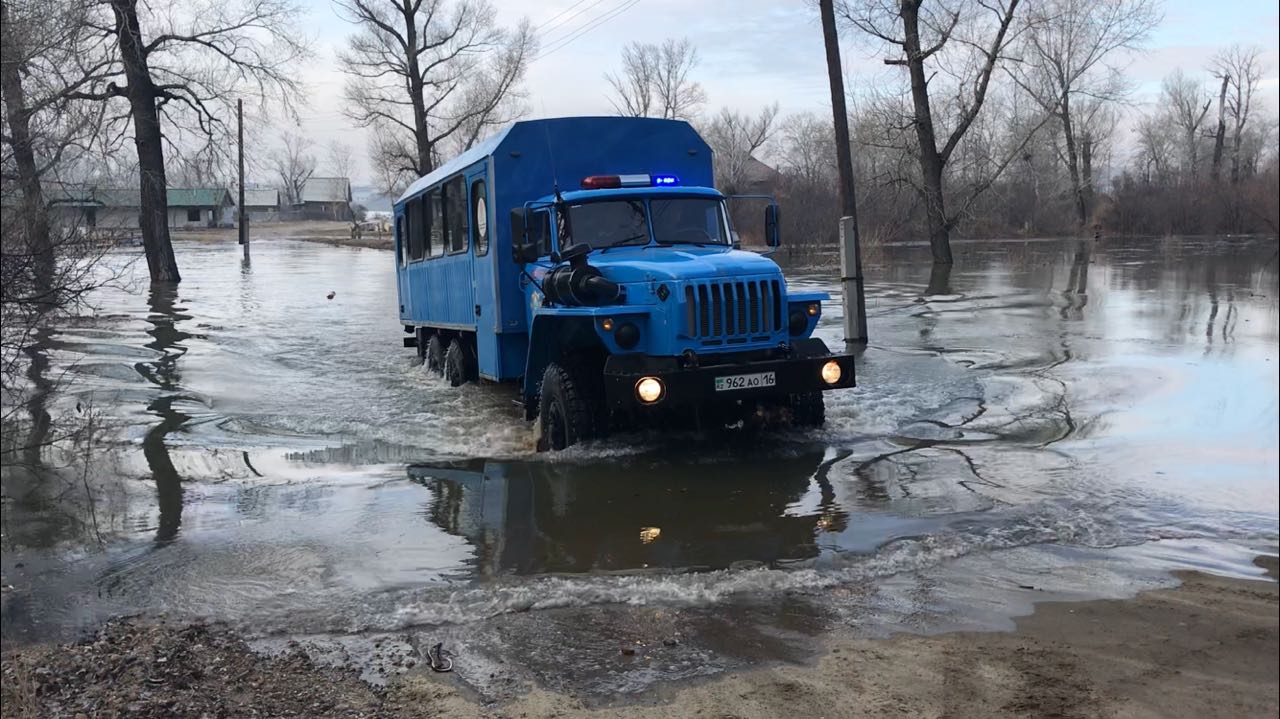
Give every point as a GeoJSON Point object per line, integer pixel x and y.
{"type": "Point", "coordinates": [687, 220]}
{"type": "Point", "coordinates": [678, 220]}
{"type": "Point", "coordinates": [610, 223]}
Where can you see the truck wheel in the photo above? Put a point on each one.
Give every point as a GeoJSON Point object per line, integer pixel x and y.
{"type": "Point", "coordinates": [808, 410]}
{"type": "Point", "coordinates": [459, 365]}
{"type": "Point", "coordinates": [434, 356]}
{"type": "Point", "coordinates": [565, 413]}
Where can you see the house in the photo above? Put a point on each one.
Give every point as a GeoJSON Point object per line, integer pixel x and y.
{"type": "Point", "coordinates": [759, 177]}
{"type": "Point", "coordinates": [326, 198]}
{"type": "Point", "coordinates": [111, 209]}
{"type": "Point", "coordinates": [262, 205]}
{"type": "Point", "coordinates": [200, 207]}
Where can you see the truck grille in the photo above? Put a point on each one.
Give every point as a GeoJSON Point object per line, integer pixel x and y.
{"type": "Point", "coordinates": [733, 312]}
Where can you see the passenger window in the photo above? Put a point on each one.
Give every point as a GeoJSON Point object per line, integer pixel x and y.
{"type": "Point", "coordinates": [455, 207]}
{"type": "Point", "coordinates": [413, 214]}
{"type": "Point", "coordinates": [436, 224]}
{"type": "Point", "coordinates": [480, 217]}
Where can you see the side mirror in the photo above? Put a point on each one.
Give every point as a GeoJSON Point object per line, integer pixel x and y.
{"type": "Point", "coordinates": [521, 251]}
{"type": "Point", "coordinates": [771, 220]}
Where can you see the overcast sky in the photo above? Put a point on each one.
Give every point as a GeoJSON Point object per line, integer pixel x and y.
{"type": "Point", "coordinates": [753, 52]}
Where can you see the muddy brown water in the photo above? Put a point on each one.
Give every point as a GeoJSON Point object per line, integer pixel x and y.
{"type": "Point", "coordinates": [1049, 418]}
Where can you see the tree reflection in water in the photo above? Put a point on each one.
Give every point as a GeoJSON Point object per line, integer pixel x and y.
{"type": "Point", "coordinates": [167, 339]}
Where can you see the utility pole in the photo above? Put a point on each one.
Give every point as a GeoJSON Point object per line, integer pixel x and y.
{"type": "Point", "coordinates": [851, 284]}
{"type": "Point", "coordinates": [243, 218]}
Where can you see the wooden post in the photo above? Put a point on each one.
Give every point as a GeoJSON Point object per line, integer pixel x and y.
{"type": "Point", "coordinates": [242, 224]}
{"type": "Point", "coordinates": [851, 286]}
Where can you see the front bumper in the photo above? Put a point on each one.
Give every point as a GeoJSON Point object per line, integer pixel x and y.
{"type": "Point", "coordinates": [800, 372]}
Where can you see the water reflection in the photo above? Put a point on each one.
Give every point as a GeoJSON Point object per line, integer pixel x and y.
{"type": "Point", "coordinates": [532, 517]}
{"type": "Point", "coordinates": [167, 339]}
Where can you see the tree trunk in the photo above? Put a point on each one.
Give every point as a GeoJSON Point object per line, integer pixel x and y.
{"type": "Point", "coordinates": [931, 162]}
{"type": "Point", "coordinates": [1086, 174]}
{"type": "Point", "coordinates": [35, 217]}
{"type": "Point", "coordinates": [1073, 164]}
{"type": "Point", "coordinates": [1220, 137]}
{"type": "Point", "coordinates": [1236, 138]}
{"type": "Point", "coordinates": [153, 217]}
{"type": "Point", "coordinates": [417, 94]}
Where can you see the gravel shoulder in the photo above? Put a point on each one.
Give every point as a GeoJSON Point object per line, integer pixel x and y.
{"type": "Point", "coordinates": [1207, 648]}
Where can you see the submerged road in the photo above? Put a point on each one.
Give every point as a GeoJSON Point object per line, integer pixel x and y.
{"type": "Point", "coordinates": [1064, 417]}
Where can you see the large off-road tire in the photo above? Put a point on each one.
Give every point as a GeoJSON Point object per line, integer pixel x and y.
{"type": "Point", "coordinates": [459, 363]}
{"type": "Point", "coordinates": [434, 354]}
{"type": "Point", "coordinates": [420, 343]}
{"type": "Point", "coordinates": [566, 409]}
{"type": "Point", "coordinates": [807, 409]}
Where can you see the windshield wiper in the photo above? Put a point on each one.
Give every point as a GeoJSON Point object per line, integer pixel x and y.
{"type": "Point", "coordinates": [624, 241]}
{"type": "Point", "coordinates": [695, 243]}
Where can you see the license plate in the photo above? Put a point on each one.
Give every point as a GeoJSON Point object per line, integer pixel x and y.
{"type": "Point", "coordinates": [744, 381]}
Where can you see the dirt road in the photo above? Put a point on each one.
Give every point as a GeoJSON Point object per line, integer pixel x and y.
{"type": "Point", "coordinates": [1207, 648]}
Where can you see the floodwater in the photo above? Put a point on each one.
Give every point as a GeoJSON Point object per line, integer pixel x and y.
{"type": "Point", "coordinates": [1049, 419]}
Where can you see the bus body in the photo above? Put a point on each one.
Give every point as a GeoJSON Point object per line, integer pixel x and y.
{"type": "Point", "coordinates": [591, 260]}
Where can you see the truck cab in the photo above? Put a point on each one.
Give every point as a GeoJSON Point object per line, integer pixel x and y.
{"type": "Point", "coordinates": [593, 262]}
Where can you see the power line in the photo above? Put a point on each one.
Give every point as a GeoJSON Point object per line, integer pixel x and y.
{"type": "Point", "coordinates": [552, 19]}
{"type": "Point", "coordinates": [563, 23]}
{"type": "Point", "coordinates": [584, 29]}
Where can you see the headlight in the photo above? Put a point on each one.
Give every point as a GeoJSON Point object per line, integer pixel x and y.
{"type": "Point", "coordinates": [812, 309]}
{"type": "Point", "coordinates": [650, 389]}
{"type": "Point", "coordinates": [831, 372]}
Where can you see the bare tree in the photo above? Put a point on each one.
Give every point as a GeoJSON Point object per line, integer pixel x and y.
{"type": "Point", "coordinates": [1241, 70]}
{"type": "Point", "coordinates": [429, 75]}
{"type": "Point", "coordinates": [655, 81]}
{"type": "Point", "coordinates": [808, 149]}
{"type": "Point", "coordinates": [182, 69]}
{"type": "Point", "coordinates": [1220, 132]}
{"type": "Point", "coordinates": [1069, 65]}
{"type": "Point", "coordinates": [1188, 104]}
{"type": "Point", "coordinates": [48, 51]}
{"type": "Point", "coordinates": [734, 139]}
{"type": "Point", "coordinates": [293, 164]}
{"type": "Point", "coordinates": [633, 85]}
{"type": "Point", "coordinates": [341, 159]}
{"type": "Point", "coordinates": [965, 39]}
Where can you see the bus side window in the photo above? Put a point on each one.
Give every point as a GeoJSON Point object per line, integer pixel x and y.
{"type": "Point", "coordinates": [436, 208]}
{"type": "Point", "coordinates": [413, 213]}
{"type": "Point", "coordinates": [455, 211]}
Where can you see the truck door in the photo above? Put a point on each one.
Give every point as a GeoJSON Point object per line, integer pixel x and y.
{"type": "Point", "coordinates": [484, 273]}
{"type": "Point", "coordinates": [402, 274]}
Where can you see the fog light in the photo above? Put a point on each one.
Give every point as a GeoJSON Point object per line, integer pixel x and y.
{"type": "Point", "coordinates": [649, 389]}
{"type": "Point", "coordinates": [813, 310]}
{"type": "Point", "coordinates": [607, 324]}
{"type": "Point", "coordinates": [627, 336]}
{"type": "Point", "coordinates": [797, 324]}
{"type": "Point", "coordinates": [831, 372]}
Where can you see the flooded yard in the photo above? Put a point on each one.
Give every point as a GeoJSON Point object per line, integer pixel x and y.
{"type": "Point", "coordinates": [1050, 419]}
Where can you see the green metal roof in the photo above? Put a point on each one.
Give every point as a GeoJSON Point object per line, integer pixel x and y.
{"type": "Point", "coordinates": [131, 197]}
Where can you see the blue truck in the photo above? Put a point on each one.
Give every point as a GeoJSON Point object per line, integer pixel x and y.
{"type": "Point", "coordinates": [619, 299]}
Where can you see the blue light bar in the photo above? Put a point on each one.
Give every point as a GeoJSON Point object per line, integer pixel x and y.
{"type": "Point", "coordinates": [665, 180]}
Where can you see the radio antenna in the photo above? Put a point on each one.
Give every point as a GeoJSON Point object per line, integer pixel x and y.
{"type": "Point", "coordinates": [562, 213]}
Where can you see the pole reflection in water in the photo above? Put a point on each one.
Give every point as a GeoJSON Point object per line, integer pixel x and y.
{"type": "Point", "coordinates": [167, 339]}
{"type": "Point", "coordinates": [537, 517]}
